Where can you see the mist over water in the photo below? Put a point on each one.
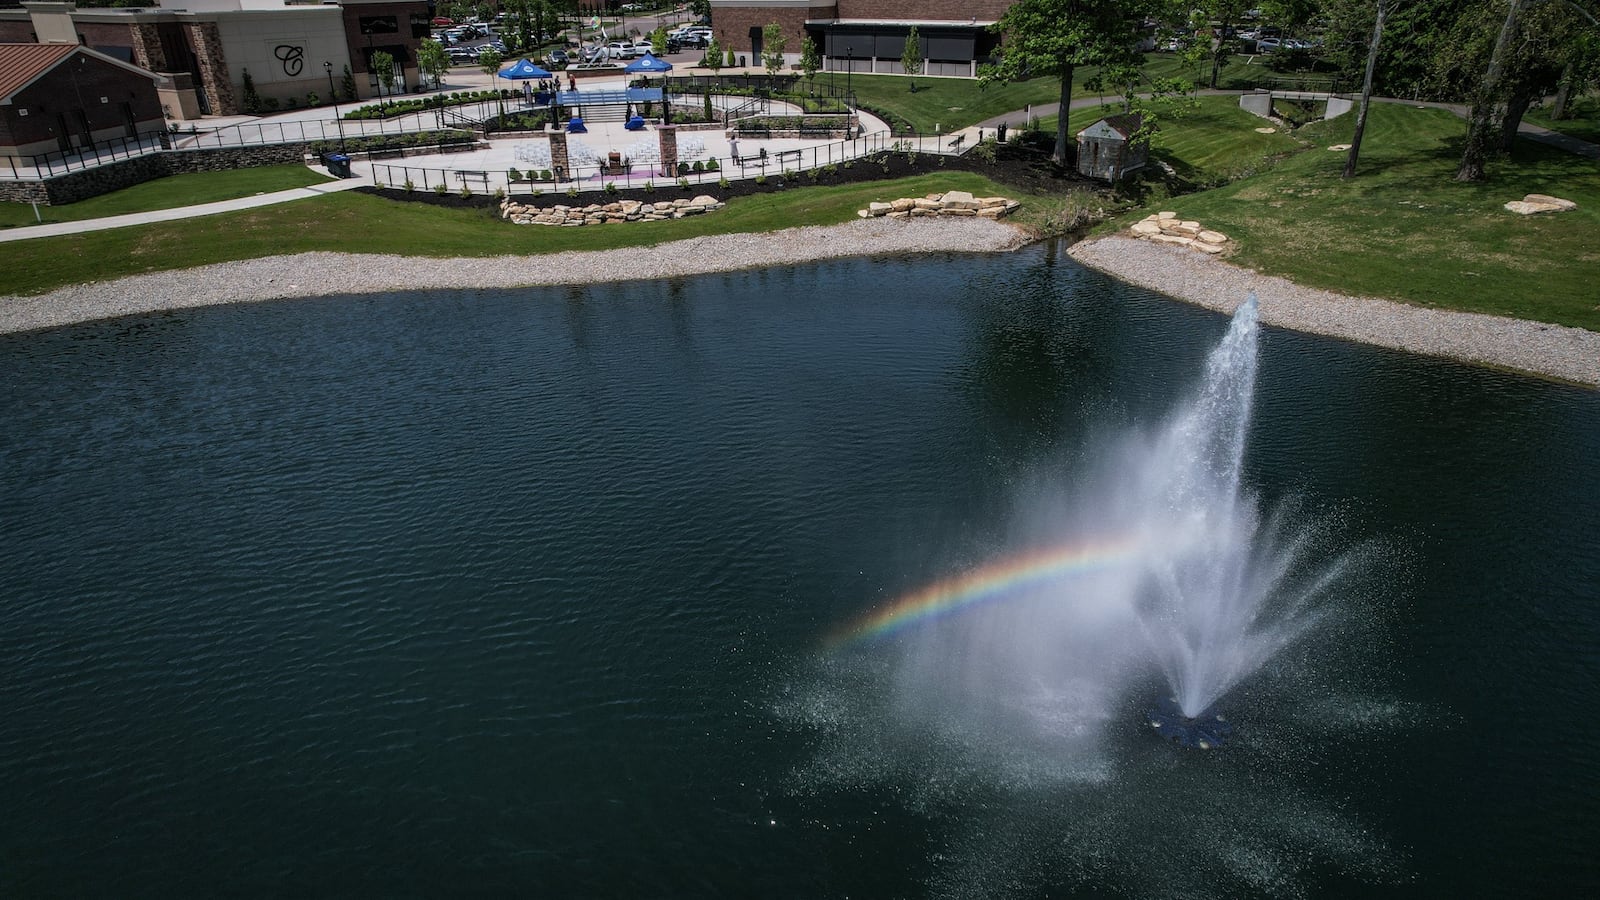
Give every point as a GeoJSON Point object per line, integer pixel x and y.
{"type": "Point", "coordinates": [1030, 705]}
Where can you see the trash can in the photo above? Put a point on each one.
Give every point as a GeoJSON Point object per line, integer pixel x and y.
{"type": "Point", "coordinates": [742, 62]}
{"type": "Point", "coordinates": [338, 165]}
{"type": "Point", "coordinates": [1000, 133]}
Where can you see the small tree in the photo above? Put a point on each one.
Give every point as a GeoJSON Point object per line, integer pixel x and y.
{"type": "Point", "coordinates": [810, 58]}
{"type": "Point", "coordinates": [431, 60]}
{"type": "Point", "coordinates": [658, 41]}
{"type": "Point", "coordinates": [383, 67]}
{"type": "Point", "coordinates": [772, 49]}
{"type": "Point", "coordinates": [347, 84]}
{"type": "Point", "coordinates": [713, 60]}
{"type": "Point", "coordinates": [252, 100]}
{"type": "Point", "coordinates": [489, 63]}
{"type": "Point", "coordinates": [911, 57]}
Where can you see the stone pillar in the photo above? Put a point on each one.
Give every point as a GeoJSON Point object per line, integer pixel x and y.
{"type": "Point", "coordinates": [559, 163]}
{"type": "Point", "coordinates": [206, 42]}
{"type": "Point", "coordinates": [147, 50]}
{"type": "Point", "coordinates": [668, 135]}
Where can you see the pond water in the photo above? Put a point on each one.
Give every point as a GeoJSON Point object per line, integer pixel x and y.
{"type": "Point", "coordinates": [539, 592]}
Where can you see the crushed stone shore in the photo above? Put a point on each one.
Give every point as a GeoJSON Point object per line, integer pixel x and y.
{"type": "Point", "coordinates": [1551, 351]}
{"type": "Point", "coordinates": [328, 274]}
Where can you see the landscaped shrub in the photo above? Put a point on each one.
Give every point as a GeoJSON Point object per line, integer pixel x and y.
{"type": "Point", "coordinates": [683, 168]}
{"type": "Point", "coordinates": [699, 167]}
{"type": "Point", "coordinates": [378, 143]}
{"type": "Point", "coordinates": [546, 175]}
{"type": "Point", "coordinates": [513, 175]}
{"type": "Point", "coordinates": [712, 165]}
{"type": "Point", "coordinates": [441, 189]}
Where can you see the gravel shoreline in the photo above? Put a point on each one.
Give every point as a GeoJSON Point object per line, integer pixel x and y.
{"type": "Point", "coordinates": [327, 274]}
{"type": "Point", "coordinates": [1550, 351]}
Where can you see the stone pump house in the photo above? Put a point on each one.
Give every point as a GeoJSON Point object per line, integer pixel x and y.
{"type": "Point", "coordinates": [1111, 148]}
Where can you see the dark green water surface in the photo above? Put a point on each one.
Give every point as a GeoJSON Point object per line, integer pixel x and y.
{"type": "Point", "coordinates": [528, 593]}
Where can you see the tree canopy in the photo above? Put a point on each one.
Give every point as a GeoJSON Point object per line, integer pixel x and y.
{"type": "Point", "coordinates": [1053, 37]}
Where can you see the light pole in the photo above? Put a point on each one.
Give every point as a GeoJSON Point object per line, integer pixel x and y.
{"type": "Point", "coordinates": [849, 52]}
{"type": "Point", "coordinates": [333, 97]}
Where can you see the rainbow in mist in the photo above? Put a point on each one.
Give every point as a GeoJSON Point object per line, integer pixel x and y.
{"type": "Point", "coordinates": [988, 583]}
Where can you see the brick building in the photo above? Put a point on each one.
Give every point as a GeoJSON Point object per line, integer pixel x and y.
{"type": "Point", "coordinates": [62, 97]}
{"type": "Point", "coordinates": [205, 47]}
{"type": "Point", "coordinates": [866, 35]}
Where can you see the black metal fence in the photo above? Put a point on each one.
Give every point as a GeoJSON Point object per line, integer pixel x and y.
{"type": "Point", "coordinates": [44, 165]}
{"type": "Point", "coordinates": [790, 165]}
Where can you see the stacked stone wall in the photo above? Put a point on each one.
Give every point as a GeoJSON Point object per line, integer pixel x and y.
{"type": "Point", "coordinates": [74, 186]}
{"type": "Point", "coordinates": [207, 43]}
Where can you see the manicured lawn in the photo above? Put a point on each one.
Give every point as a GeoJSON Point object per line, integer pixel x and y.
{"type": "Point", "coordinates": [166, 193]}
{"type": "Point", "coordinates": [1406, 230]}
{"type": "Point", "coordinates": [949, 103]}
{"type": "Point", "coordinates": [349, 222]}
{"type": "Point", "coordinates": [1583, 119]}
{"type": "Point", "coordinates": [1208, 142]}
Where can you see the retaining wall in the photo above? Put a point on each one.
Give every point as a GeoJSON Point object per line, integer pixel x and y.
{"type": "Point", "coordinates": [71, 187]}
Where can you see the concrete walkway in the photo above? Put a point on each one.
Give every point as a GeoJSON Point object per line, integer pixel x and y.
{"type": "Point", "coordinates": [181, 212]}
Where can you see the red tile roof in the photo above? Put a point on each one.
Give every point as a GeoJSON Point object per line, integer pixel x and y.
{"type": "Point", "coordinates": [20, 64]}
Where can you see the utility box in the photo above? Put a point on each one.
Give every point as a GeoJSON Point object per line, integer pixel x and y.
{"type": "Point", "coordinates": [338, 165]}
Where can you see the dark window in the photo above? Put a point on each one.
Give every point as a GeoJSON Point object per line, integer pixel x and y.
{"type": "Point", "coordinates": [379, 25]}
{"type": "Point", "coordinates": [421, 25]}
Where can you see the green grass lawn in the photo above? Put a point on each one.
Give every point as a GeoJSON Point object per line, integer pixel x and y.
{"type": "Point", "coordinates": [1582, 122]}
{"type": "Point", "coordinates": [949, 103]}
{"type": "Point", "coordinates": [1209, 141]}
{"type": "Point", "coordinates": [166, 193]}
{"type": "Point", "coordinates": [1406, 230]}
{"type": "Point", "coordinates": [361, 223]}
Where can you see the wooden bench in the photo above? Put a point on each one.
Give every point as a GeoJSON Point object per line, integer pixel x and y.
{"type": "Point", "coordinates": [482, 178]}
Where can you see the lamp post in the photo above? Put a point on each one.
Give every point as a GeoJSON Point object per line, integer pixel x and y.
{"type": "Point", "coordinates": [850, 53]}
{"type": "Point", "coordinates": [333, 97]}
{"type": "Point", "coordinates": [370, 72]}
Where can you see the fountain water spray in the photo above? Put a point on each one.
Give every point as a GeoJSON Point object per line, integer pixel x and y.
{"type": "Point", "coordinates": [1223, 590]}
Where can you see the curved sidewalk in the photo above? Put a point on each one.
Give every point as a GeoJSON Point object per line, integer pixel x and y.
{"type": "Point", "coordinates": [56, 229]}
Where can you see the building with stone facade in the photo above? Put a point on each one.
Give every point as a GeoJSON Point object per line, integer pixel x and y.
{"type": "Point", "coordinates": [866, 35]}
{"type": "Point", "coordinates": [206, 47]}
{"type": "Point", "coordinates": [65, 97]}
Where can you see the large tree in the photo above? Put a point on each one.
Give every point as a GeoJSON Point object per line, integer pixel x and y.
{"type": "Point", "coordinates": [1531, 47]}
{"type": "Point", "coordinates": [1053, 38]}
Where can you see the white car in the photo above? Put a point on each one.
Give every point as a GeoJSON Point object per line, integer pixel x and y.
{"type": "Point", "coordinates": [621, 50]}
{"type": "Point", "coordinates": [640, 48]}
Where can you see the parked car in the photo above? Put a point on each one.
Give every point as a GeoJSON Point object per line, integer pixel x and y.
{"type": "Point", "coordinates": [621, 50]}
{"type": "Point", "coordinates": [1268, 45]}
{"type": "Point", "coordinates": [556, 59]}
{"type": "Point", "coordinates": [640, 48]}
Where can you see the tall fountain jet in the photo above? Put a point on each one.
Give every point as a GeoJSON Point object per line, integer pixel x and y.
{"type": "Point", "coordinates": [1222, 590]}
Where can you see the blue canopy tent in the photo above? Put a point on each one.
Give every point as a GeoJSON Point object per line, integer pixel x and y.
{"type": "Point", "coordinates": [526, 70]}
{"type": "Point", "coordinates": [523, 70]}
{"type": "Point", "coordinates": [649, 65]}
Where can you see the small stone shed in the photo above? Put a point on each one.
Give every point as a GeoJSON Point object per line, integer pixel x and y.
{"type": "Point", "coordinates": [1107, 148]}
